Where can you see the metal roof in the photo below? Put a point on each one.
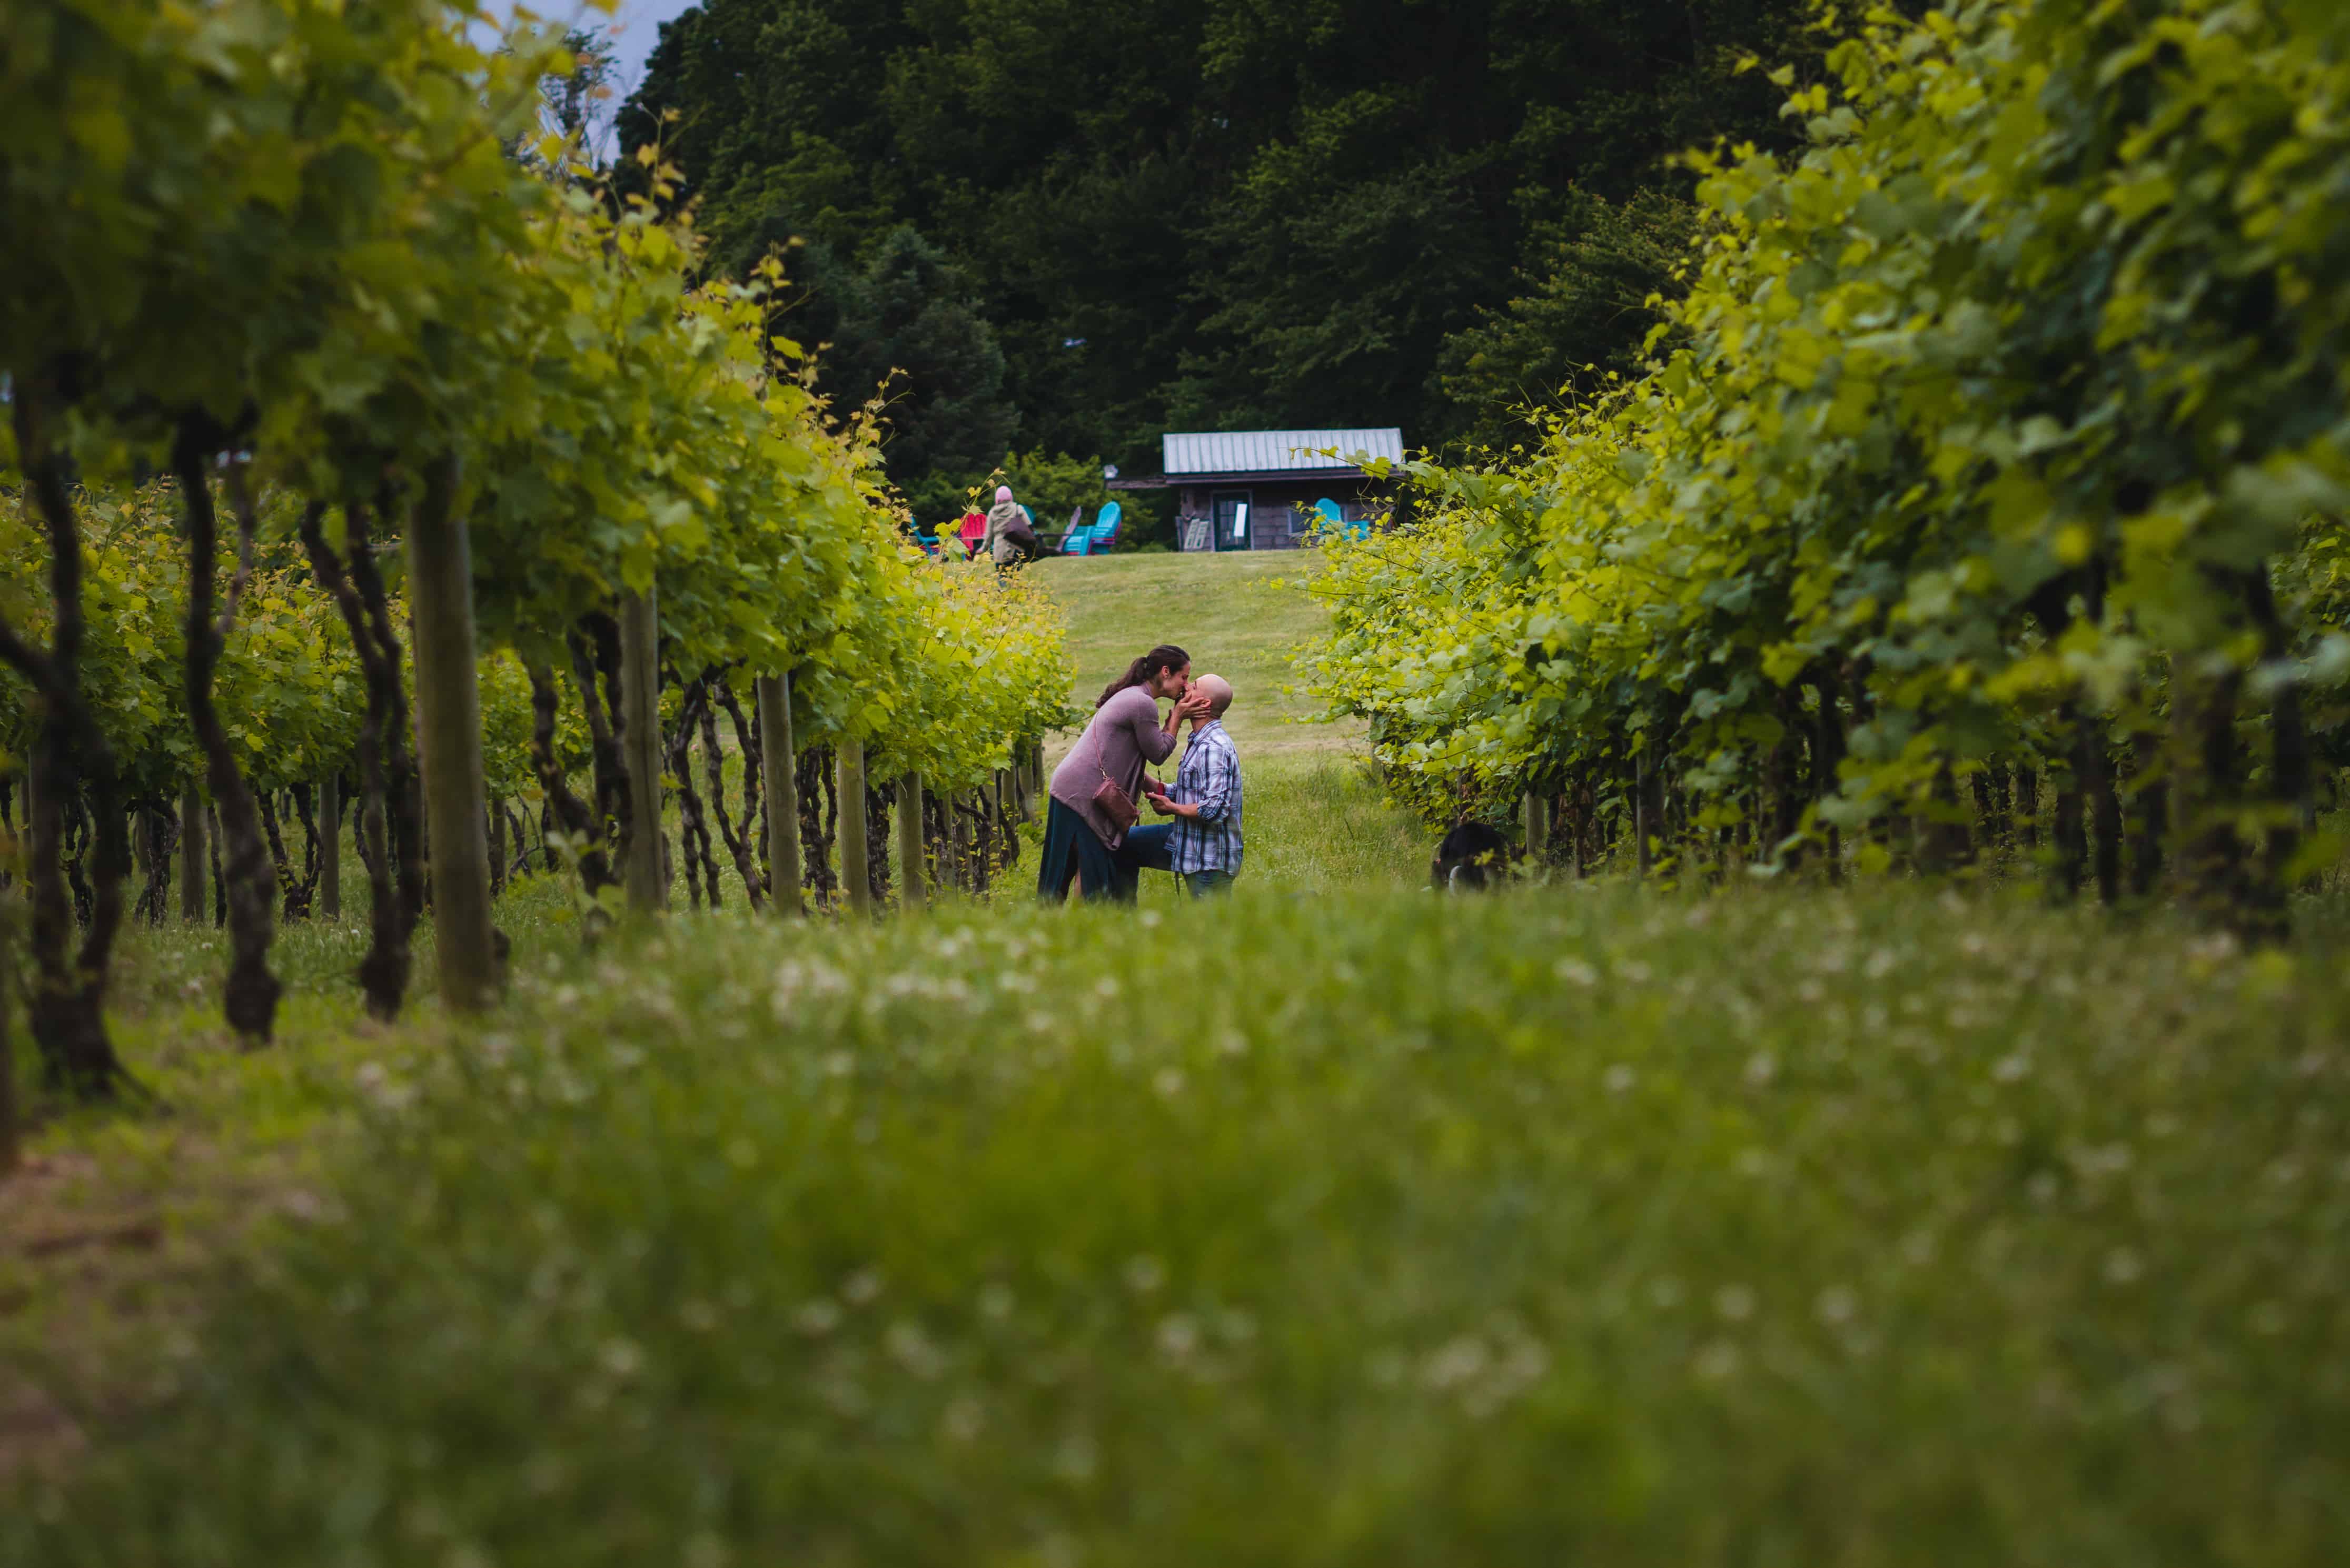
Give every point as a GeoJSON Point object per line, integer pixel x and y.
{"type": "Point", "coordinates": [1268, 452]}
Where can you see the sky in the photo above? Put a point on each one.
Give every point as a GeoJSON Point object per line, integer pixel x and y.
{"type": "Point", "coordinates": [634, 26]}
{"type": "Point", "coordinates": [638, 29]}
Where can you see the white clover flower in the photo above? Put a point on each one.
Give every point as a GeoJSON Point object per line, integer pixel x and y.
{"type": "Point", "coordinates": [913, 1350]}
{"type": "Point", "coordinates": [960, 1421]}
{"type": "Point", "coordinates": [1177, 1336]}
{"type": "Point", "coordinates": [1718, 1362]}
{"type": "Point", "coordinates": [1453, 1362]}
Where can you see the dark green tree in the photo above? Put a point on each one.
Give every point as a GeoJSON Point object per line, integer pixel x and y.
{"type": "Point", "coordinates": [1584, 313]}
{"type": "Point", "coordinates": [1225, 213]}
{"type": "Point", "coordinates": [778, 116]}
{"type": "Point", "coordinates": [904, 328]}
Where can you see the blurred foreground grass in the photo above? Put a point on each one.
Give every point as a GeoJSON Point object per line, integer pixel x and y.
{"type": "Point", "coordinates": [1366, 1227]}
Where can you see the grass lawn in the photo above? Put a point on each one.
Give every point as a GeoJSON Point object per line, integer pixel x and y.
{"type": "Point", "coordinates": [1789, 1227]}
{"type": "Point", "coordinates": [1240, 615]}
{"type": "Point", "coordinates": [1337, 1223]}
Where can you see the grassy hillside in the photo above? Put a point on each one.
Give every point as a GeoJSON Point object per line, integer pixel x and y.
{"type": "Point", "coordinates": [1242, 616]}
{"type": "Point", "coordinates": [1314, 820]}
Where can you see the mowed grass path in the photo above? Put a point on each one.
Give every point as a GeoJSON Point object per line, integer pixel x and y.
{"type": "Point", "coordinates": [1314, 820]}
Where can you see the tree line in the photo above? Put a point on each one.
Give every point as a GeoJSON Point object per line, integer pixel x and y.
{"type": "Point", "coordinates": [1115, 222]}
{"type": "Point", "coordinates": [1984, 492]}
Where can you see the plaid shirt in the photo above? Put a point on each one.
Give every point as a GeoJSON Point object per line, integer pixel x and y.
{"type": "Point", "coordinates": [1209, 779]}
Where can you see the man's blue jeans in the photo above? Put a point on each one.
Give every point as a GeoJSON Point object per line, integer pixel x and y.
{"type": "Point", "coordinates": [1207, 884]}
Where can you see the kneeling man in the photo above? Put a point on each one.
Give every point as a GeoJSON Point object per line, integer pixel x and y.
{"type": "Point", "coordinates": [1205, 847]}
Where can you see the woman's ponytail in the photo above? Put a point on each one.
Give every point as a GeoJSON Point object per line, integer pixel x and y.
{"type": "Point", "coordinates": [1166, 656]}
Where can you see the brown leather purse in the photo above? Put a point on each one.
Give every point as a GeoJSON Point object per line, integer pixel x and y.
{"type": "Point", "coordinates": [1115, 804]}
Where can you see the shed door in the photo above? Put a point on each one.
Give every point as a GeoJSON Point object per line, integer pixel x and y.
{"type": "Point", "coordinates": [1232, 512]}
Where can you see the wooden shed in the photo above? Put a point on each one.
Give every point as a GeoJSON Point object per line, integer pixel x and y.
{"type": "Point", "coordinates": [1257, 490]}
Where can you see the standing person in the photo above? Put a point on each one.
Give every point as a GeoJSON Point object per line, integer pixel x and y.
{"type": "Point", "coordinates": [1097, 792]}
{"type": "Point", "coordinates": [1009, 537]}
{"type": "Point", "coordinates": [1204, 851]}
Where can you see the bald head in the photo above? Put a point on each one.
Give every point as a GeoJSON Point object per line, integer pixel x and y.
{"type": "Point", "coordinates": [1218, 691]}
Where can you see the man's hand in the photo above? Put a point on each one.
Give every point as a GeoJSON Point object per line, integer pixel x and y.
{"type": "Point", "coordinates": [1163, 806]}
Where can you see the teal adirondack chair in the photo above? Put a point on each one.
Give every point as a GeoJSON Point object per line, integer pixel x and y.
{"type": "Point", "coordinates": [1096, 537]}
{"type": "Point", "coordinates": [1335, 516]}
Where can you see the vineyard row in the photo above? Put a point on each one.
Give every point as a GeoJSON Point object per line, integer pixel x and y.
{"type": "Point", "coordinates": [357, 433]}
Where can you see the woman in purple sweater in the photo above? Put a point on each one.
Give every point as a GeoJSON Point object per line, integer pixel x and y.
{"type": "Point", "coordinates": [1126, 735]}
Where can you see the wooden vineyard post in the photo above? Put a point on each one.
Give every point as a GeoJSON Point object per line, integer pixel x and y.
{"type": "Point", "coordinates": [330, 838]}
{"type": "Point", "coordinates": [194, 866]}
{"type": "Point", "coordinates": [449, 739]}
{"type": "Point", "coordinates": [142, 848]}
{"type": "Point", "coordinates": [495, 827]}
{"type": "Point", "coordinates": [910, 840]}
{"type": "Point", "coordinates": [776, 765]}
{"type": "Point", "coordinates": [1644, 817]}
{"type": "Point", "coordinates": [641, 745]}
{"type": "Point", "coordinates": [959, 837]}
{"type": "Point", "coordinates": [9, 1145]}
{"type": "Point", "coordinates": [216, 878]}
{"type": "Point", "coordinates": [1580, 820]}
{"type": "Point", "coordinates": [856, 871]}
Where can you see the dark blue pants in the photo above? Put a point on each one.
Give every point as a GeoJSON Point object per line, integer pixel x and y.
{"type": "Point", "coordinates": [1071, 849]}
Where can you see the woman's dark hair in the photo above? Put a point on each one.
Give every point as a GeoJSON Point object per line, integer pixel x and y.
{"type": "Point", "coordinates": [1166, 656]}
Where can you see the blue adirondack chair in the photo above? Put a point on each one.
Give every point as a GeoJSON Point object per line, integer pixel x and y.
{"type": "Point", "coordinates": [1080, 541]}
{"type": "Point", "coordinates": [1335, 516]}
{"type": "Point", "coordinates": [1104, 528]}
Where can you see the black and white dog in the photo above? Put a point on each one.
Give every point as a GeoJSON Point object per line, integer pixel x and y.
{"type": "Point", "coordinates": [1471, 855]}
